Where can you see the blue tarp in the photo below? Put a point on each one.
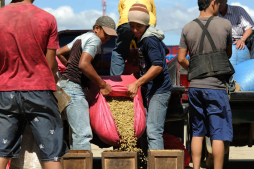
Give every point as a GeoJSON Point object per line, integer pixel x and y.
{"type": "Point", "coordinates": [244, 75]}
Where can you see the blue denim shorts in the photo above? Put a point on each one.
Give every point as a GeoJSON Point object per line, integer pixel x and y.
{"type": "Point", "coordinates": [210, 114]}
{"type": "Point", "coordinates": [40, 109]}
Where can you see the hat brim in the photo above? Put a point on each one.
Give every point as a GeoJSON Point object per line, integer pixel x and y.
{"type": "Point", "coordinates": [109, 31]}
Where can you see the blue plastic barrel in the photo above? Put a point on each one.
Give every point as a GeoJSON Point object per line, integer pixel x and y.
{"type": "Point", "coordinates": [239, 56]}
{"type": "Point", "coordinates": [244, 75]}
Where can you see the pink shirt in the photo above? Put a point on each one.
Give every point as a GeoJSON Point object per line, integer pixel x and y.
{"type": "Point", "coordinates": [26, 32]}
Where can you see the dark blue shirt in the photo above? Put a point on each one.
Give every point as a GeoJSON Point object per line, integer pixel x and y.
{"type": "Point", "coordinates": [152, 53]}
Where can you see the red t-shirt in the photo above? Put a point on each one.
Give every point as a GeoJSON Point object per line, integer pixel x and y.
{"type": "Point", "coordinates": [26, 32]}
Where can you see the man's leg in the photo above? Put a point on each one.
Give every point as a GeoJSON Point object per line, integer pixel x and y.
{"type": "Point", "coordinates": [218, 153]}
{"type": "Point", "coordinates": [78, 116]}
{"type": "Point", "coordinates": [53, 165]}
{"type": "Point", "coordinates": [12, 124]}
{"type": "Point", "coordinates": [220, 123]}
{"type": "Point", "coordinates": [79, 120]}
{"type": "Point", "coordinates": [157, 110]}
{"type": "Point", "coordinates": [196, 151]}
{"type": "Point", "coordinates": [121, 50]}
{"type": "Point", "coordinates": [43, 114]}
{"type": "Point", "coordinates": [250, 44]}
{"type": "Point", "coordinates": [198, 123]}
{"type": "Point", "coordinates": [4, 162]}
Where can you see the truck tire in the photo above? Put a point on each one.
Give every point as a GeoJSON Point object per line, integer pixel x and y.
{"type": "Point", "coordinates": [210, 160]}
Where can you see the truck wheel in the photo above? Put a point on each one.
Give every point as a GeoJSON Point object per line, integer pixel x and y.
{"type": "Point", "coordinates": [210, 160]}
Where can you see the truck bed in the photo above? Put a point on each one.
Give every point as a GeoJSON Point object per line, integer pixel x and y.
{"type": "Point", "coordinates": [242, 106]}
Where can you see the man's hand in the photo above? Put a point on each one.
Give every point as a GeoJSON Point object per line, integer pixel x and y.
{"type": "Point", "coordinates": [105, 90]}
{"type": "Point", "coordinates": [240, 44]}
{"type": "Point", "coordinates": [132, 90]}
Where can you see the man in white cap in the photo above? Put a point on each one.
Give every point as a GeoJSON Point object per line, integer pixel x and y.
{"type": "Point", "coordinates": [154, 81]}
{"type": "Point", "coordinates": [81, 52]}
{"type": "Point", "coordinates": [125, 35]}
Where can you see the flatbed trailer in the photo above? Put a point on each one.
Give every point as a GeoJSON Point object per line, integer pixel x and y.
{"type": "Point", "coordinates": [177, 119]}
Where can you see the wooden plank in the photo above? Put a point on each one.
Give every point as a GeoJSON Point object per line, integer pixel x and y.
{"type": "Point", "coordinates": [120, 160]}
{"type": "Point", "coordinates": [164, 159]}
{"type": "Point", "coordinates": [80, 159]}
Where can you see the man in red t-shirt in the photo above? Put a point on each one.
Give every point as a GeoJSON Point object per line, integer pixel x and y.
{"type": "Point", "coordinates": [29, 40]}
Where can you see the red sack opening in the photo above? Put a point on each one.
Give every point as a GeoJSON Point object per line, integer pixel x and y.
{"type": "Point", "coordinates": [102, 121]}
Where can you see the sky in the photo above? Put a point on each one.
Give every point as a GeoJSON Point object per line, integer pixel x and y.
{"type": "Point", "coordinates": [172, 15]}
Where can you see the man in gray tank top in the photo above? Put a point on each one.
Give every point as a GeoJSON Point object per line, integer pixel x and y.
{"type": "Point", "coordinates": [210, 112]}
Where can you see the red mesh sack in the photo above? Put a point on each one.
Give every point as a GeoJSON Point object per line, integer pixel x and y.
{"type": "Point", "coordinates": [101, 118]}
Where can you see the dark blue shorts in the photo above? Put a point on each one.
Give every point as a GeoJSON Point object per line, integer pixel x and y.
{"type": "Point", "coordinates": [210, 114]}
{"type": "Point", "coordinates": [40, 109]}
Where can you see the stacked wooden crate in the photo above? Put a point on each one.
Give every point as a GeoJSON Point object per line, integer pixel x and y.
{"type": "Point", "coordinates": [78, 159]}
{"type": "Point", "coordinates": [120, 160]}
{"type": "Point", "coordinates": [165, 159]}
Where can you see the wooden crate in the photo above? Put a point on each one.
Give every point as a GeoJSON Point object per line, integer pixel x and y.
{"type": "Point", "coordinates": [120, 160]}
{"type": "Point", "coordinates": [165, 159]}
{"type": "Point", "coordinates": [78, 159]}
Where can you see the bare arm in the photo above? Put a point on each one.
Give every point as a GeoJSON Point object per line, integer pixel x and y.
{"type": "Point", "coordinates": [183, 61]}
{"type": "Point", "coordinates": [240, 44]}
{"type": "Point", "coordinates": [246, 34]}
{"type": "Point", "coordinates": [60, 54]}
{"type": "Point", "coordinates": [229, 50]}
{"type": "Point", "coordinates": [51, 58]}
{"type": "Point", "coordinates": [87, 69]}
{"type": "Point", "coordinates": [150, 75]}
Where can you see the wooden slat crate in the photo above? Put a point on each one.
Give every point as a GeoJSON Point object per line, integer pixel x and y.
{"type": "Point", "coordinates": [120, 160]}
{"type": "Point", "coordinates": [78, 159]}
{"type": "Point", "coordinates": [165, 159]}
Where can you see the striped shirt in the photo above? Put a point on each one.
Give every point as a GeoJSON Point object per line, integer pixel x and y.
{"type": "Point", "coordinates": [240, 20]}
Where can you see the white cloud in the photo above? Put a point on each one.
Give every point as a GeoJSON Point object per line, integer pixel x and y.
{"type": "Point", "coordinates": [67, 19]}
{"type": "Point", "coordinates": [173, 19]}
{"type": "Point", "coordinates": [170, 19]}
{"type": "Point", "coordinates": [166, 19]}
